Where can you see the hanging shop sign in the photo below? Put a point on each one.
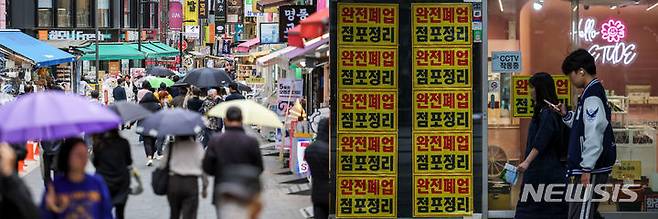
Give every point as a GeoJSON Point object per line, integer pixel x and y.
{"type": "Point", "coordinates": [366, 196]}
{"type": "Point", "coordinates": [371, 24]}
{"type": "Point", "coordinates": [607, 41]}
{"type": "Point", "coordinates": [442, 152]}
{"type": "Point", "coordinates": [442, 110]}
{"type": "Point", "coordinates": [367, 110]}
{"type": "Point", "coordinates": [367, 153]}
{"type": "Point", "coordinates": [446, 24]}
{"type": "Point", "coordinates": [367, 68]}
{"type": "Point", "coordinates": [175, 15]}
{"type": "Point", "coordinates": [290, 16]}
{"type": "Point", "coordinates": [506, 61]}
{"type": "Point", "coordinates": [191, 11]}
{"type": "Point", "coordinates": [522, 102]}
{"type": "Point", "coordinates": [442, 196]}
{"type": "Point", "coordinates": [234, 12]}
{"type": "Point", "coordinates": [220, 11]}
{"type": "Point", "coordinates": [269, 33]}
{"type": "Point", "coordinates": [203, 9]}
{"type": "Point", "coordinates": [442, 67]}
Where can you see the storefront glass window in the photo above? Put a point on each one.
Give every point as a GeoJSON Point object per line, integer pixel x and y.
{"type": "Point", "coordinates": [103, 13]}
{"type": "Point", "coordinates": [622, 36]}
{"type": "Point", "coordinates": [83, 13]}
{"type": "Point", "coordinates": [64, 13]}
{"type": "Point", "coordinates": [45, 13]}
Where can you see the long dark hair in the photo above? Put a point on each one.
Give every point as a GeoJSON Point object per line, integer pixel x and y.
{"type": "Point", "coordinates": [65, 153]}
{"type": "Point", "coordinates": [544, 87]}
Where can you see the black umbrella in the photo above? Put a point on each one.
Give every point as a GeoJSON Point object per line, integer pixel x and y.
{"type": "Point", "coordinates": [176, 122]}
{"type": "Point", "coordinates": [207, 77]}
{"type": "Point", "coordinates": [243, 87]}
{"type": "Point", "coordinates": [129, 111]}
{"type": "Point", "coordinates": [159, 71]}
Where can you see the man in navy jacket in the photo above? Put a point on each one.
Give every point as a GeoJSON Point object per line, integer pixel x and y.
{"type": "Point", "coordinates": [592, 151]}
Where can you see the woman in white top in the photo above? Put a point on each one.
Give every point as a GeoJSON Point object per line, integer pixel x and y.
{"type": "Point", "coordinates": [185, 169]}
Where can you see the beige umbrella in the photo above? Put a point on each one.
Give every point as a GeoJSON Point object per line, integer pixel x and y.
{"type": "Point", "coordinates": [252, 113]}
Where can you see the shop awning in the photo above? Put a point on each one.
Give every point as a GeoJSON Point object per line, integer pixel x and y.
{"type": "Point", "coordinates": [245, 46]}
{"type": "Point", "coordinates": [310, 46]}
{"type": "Point", "coordinates": [313, 26]}
{"type": "Point", "coordinates": [112, 51]}
{"type": "Point", "coordinates": [39, 52]}
{"type": "Point", "coordinates": [264, 4]}
{"type": "Point", "coordinates": [292, 52]}
{"type": "Point", "coordinates": [154, 50]}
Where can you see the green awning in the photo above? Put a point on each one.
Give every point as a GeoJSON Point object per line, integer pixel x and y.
{"type": "Point", "coordinates": [117, 51]}
{"type": "Point", "coordinates": [154, 50]}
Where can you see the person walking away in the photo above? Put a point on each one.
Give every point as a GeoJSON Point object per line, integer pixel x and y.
{"type": "Point", "coordinates": [179, 100]}
{"type": "Point", "coordinates": [185, 169]}
{"type": "Point", "coordinates": [234, 93]}
{"type": "Point", "coordinates": [119, 92]}
{"type": "Point", "coordinates": [544, 149]}
{"type": "Point", "coordinates": [229, 149]}
{"type": "Point", "coordinates": [75, 194]}
{"type": "Point", "coordinates": [214, 124]}
{"type": "Point", "coordinates": [317, 157]}
{"type": "Point", "coordinates": [49, 150]}
{"type": "Point", "coordinates": [163, 96]}
{"type": "Point", "coordinates": [150, 103]}
{"type": "Point", "coordinates": [15, 198]}
{"type": "Point", "coordinates": [94, 95]}
{"type": "Point", "coordinates": [194, 103]}
{"type": "Point", "coordinates": [112, 160]}
{"type": "Point", "coordinates": [146, 88]}
{"type": "Point", "coordinates": [592, 150]}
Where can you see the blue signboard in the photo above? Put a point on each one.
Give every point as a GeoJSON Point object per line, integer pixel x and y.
{"type": "Point", "coordinates": [506, 61]}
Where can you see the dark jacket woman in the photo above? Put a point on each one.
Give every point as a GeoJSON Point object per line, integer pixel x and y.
{"type": "Point", "coordinates": [112, 160]}
{"type": "Point", "coordinates": [152, 104]}
{"type": "Point", "coordinates": [317, 157]}
{"type": "Point", "coordinates": [544, 149]}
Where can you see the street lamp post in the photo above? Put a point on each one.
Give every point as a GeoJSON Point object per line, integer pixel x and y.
{"type": "Point", "coordinates": [97, 87]}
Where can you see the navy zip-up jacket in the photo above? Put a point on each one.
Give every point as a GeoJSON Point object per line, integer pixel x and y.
{"type": "Point", "coordinates": [591, 144]}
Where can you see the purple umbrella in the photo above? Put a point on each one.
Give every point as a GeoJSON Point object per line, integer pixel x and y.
{"type": "Point", "coordinates": [53, 115]}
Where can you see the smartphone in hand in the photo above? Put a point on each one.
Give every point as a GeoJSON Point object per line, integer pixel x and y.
{"type": "Point", "coordinates": [553, 106]}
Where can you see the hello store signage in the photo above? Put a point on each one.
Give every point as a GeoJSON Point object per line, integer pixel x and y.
{"type": "Point", "coordinates": [611, 33]}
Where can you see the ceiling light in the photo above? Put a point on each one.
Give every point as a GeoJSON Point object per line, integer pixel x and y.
{"type": "Point", "coordinates": [613, 7]}
{"type": "Point", "coordinates": [500, 4]}
{"type": "Point", "coordinates": [575, 8]}
{"type": "Point", "coordinates": [538, 4]}
{"type": "Point", "coordinates": [652, 6]}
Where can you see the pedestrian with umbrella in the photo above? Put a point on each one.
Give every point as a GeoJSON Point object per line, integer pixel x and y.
{"type": "Point", "coordinates": [234, 92]}
{"type": "Point", "coordinates": [214, 124]}
{"type": "Point", "coordinates": [159, 71]}
{"type": "Point", "coordinates": [112, 160]}
{"type": "Point", "coordinates": [178, 176]}
{"type": "Point", "coordinates": [74, 193]}
{"type": "Point", "coordinates": [207, 78]}
{"type": "Point", "coordinates": [150, 103]}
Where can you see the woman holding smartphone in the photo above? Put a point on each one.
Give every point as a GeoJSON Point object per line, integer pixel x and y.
{"type": "Point", "coordinates": [544, 149]}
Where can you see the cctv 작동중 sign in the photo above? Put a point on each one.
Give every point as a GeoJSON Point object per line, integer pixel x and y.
{"type": "Point", "coordinates": [506, 61]}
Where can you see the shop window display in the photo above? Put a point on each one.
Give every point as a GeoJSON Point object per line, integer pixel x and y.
{"type": "Point", "coordinates": [45, 13]}
{"type": "Point", "coordinates": [64, 13]}
{"type": "Point", "coordinates": [621, 35]}
{"type": "Point", "coordinates": [83, 13]}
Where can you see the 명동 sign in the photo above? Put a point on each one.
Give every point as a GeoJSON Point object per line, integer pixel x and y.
{"type": "Point", "coordinates": [506, 61]}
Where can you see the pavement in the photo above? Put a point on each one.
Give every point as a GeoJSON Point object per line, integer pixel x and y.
{"type": "Point", "coordinates": [277, 202]}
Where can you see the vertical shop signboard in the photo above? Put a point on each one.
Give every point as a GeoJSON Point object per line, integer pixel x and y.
{"type": "Point", "coordinates": [522, 102]}
{"type": "Point", "coordinates": [442, 117]}
{"type": "Point", "coordinates": [367, 110]}
{"type": "Point", "coordinates": [290, 16]}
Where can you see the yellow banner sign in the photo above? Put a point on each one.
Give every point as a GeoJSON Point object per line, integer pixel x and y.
{"type": "Point", "coordinates": [367, 153]}
{"type": "Point", "coordinates": [366, 197]}
{"type": "Point", "coordinates": [442, 196]}
{"type": "Point", "coordinates": [368, 24]}
{"type": "Point", "coordinates": [442, 24]}
{"type": "Point", "coordinates": [367, 110]}
{"type": "Point", "coordinates": [522, 102]}
{"type": "Point", "coordinates": [442, 110]}
{"type": "Point", "coordinates": [442, 152]}
{"type": "Point", "coordinates": [436, 67]}
{"type": "Point", "coordinates": [627, 169]}
{"type": "Point", "coordinates": [254, 80]}
{"type": "Point", "coordinates": [367, 67]}
{"type": "Point", "coordinates": [191, 11]}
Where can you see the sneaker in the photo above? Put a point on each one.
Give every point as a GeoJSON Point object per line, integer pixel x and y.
{"type": "Point", "coordinates": [149, 162]}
